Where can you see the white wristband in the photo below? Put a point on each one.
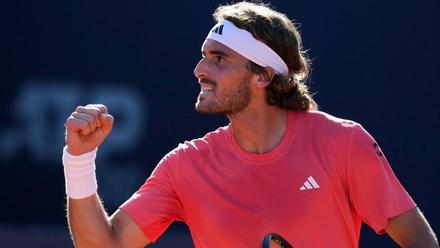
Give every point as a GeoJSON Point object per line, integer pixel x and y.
{"type": "Point", "coordinates": [79, 173]}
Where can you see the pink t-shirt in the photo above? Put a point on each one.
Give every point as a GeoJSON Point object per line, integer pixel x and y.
{"type": "Point", "coordinates": [323, 179]}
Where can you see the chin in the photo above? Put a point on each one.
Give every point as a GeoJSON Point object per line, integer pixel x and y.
{"type": "Point", "coordinates": [206, 108]}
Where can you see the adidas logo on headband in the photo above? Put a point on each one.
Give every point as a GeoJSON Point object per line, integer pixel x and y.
{"type": "Point", "coordinates": [218, 30]}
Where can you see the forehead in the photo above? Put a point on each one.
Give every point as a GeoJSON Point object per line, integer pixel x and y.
{"type": "Point", "coordinates": [210, 46]}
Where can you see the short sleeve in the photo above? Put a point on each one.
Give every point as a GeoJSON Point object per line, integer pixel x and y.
{"type": "Point", "coordinates": [375, 193]}
{"type": "Point", "coordinates": [156, 205]}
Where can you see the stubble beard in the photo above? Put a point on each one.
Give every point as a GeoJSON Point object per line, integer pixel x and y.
{"type": "Point", "coordinates": [228, 102]}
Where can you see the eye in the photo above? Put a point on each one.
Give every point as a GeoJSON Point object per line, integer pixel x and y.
{"type": "Point", "coordinates": [219, 58]}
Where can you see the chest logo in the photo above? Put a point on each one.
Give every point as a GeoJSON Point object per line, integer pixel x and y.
{"type": "Point", "coordinates": [309, 184]}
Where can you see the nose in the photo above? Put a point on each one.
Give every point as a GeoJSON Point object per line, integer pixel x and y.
{"type": "Point", "coordinates": [200, 70]}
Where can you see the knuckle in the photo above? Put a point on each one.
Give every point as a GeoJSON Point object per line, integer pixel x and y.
{"type": "Point", "coordinates": [75, 115]}
{"type": "Point", "coordinates": [102, 107]}
{"type": "Point", "coordinates": [96, 106]}
{"type": "Point", "coordinates": [84, 116]}
{"type": "Point", "coordinates": [94, 111]}
{"type": "Point", "coordinates": [70, 120]}
{"type": "Point", "coordinates": [79, 108]}
{"type": "Point", "coordinates": [89, 117]}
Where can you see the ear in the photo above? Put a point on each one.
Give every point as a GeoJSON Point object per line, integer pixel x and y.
{"type": "Point", "coordinates": [265, 77]}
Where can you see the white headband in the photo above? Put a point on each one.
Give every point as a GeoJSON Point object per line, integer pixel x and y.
{"type": "Point", "coordinates": [246, 45]}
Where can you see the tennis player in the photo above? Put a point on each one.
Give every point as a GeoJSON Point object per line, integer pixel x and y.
{"type": "Point", "coordinates": [280, 165]}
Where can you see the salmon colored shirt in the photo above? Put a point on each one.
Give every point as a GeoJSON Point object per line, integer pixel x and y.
{"type": "Point", "coordinates": [315, 188]}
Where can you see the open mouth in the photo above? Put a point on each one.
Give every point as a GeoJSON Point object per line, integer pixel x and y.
{"type": "Point", "coordinates": [206, 89]}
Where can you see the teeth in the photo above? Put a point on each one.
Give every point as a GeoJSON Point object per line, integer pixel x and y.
{"type": "Point", "coordinates": [206, 89]}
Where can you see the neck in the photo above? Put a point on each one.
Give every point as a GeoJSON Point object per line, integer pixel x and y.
{"type": "Point", "coordinates": [259, 131]}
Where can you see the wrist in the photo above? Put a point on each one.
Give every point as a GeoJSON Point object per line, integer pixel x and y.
{"type": "Point", "coordinates": [75, 151]}
{"type": "Point", "coordinates": [79, 174]}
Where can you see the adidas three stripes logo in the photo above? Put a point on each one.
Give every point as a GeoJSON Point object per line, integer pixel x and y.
{"type": "Point", "coordinates": [218, 30]}
{"type": "Point", "coordinates": [309, 184]}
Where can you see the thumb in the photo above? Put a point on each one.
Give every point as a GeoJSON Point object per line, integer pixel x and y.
{"type": "Point", "coordinates": [106, 122]}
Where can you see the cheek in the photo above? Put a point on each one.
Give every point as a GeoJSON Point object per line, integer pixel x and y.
{"type": "Point", "coordinates": [229, 75]}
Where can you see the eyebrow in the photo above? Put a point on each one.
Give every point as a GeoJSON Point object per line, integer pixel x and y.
{"type": "Point", "coordinates": [216, 52]}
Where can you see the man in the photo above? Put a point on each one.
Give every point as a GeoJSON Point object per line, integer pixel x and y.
{"type": "Point", "coordinates": [279, 166]}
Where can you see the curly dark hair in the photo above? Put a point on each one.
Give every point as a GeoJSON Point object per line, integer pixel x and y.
{"type": "Point", "coordinates": [278, 32]}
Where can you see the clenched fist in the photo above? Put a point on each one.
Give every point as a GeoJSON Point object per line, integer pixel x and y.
{"type": "Point", "coordinates": [87, 127]}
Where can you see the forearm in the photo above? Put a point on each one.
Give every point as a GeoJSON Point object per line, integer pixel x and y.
{"type": "Point", "coordinates": [412, 230]}
{"type": "Point", "coordinates": [89, 223]}
{"type": "Point", "coordinates": [426, 241]}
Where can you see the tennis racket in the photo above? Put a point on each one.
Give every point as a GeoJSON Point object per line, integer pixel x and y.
{"type": "Point", "coordinates": [273, 240]}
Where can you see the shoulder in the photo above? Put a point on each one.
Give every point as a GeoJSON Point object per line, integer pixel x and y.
{"type": "Point", "coordinates": [340, 134]}
{"type": "Point", "coordinates": [206, 144]}
{"type": "Point", "coordinates": [210, 139]}
{"type": "Point", "coordinates": [326, 126]}
{"type": "Point", "coordinates": [194, 151]}
{"type": "Point", "coordinates": [325, 120]}
{"type": "Point", "coordinates": [326, 130]}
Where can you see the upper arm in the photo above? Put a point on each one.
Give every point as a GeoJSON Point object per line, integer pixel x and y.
{"type": "Point", "coordinates": [126, 232]}
{"type": "Point", "coordinates": [411, 229]}
{"type": "Point", "coordinates": [375, 193]}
